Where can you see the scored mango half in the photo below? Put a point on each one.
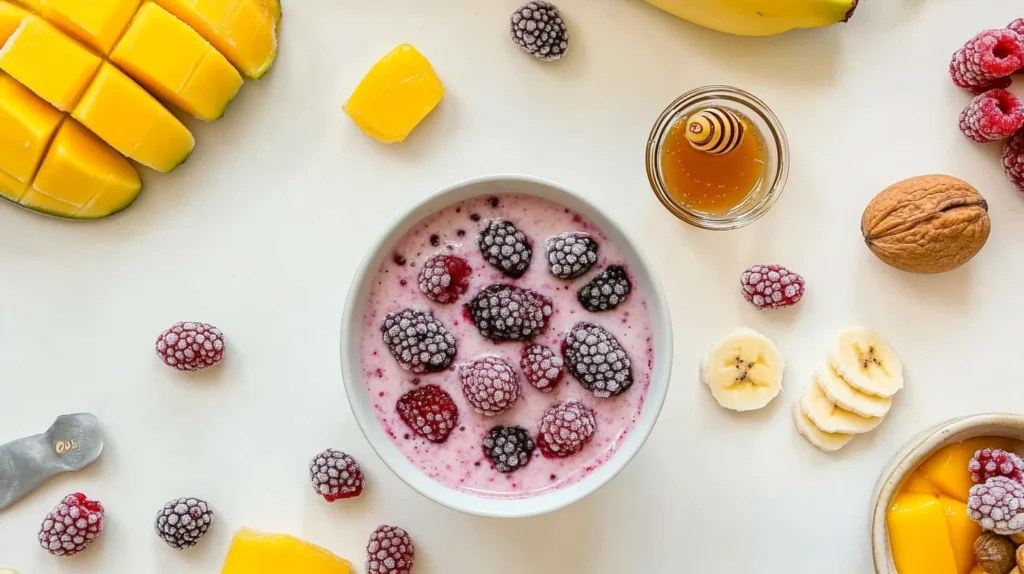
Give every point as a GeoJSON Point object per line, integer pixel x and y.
{"type": "Point", "coordinates": [255, 552]}
{"type": "Point", "coordinates": [85, 84]}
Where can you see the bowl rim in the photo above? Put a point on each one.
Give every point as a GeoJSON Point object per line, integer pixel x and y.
{"type": "Point", "coordinates": [397, 462]}
{"type": "Point", "coordinates": [914, 452]}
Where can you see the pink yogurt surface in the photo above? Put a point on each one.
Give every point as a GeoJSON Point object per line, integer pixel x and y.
{"type": "Point", "coordinates": [460, 462]}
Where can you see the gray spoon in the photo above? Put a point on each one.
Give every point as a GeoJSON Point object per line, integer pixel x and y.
{"type": "Point", "coordinates": [71, 443]}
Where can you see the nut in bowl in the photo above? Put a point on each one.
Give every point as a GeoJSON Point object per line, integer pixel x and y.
{"type": "Point", "coordinates": [950, 500]}
{"type": "Point", "coordinates": [459, 311]}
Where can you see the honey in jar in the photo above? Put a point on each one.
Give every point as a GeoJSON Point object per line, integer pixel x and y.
{"type": "Point", "coordinates": [712, 159]}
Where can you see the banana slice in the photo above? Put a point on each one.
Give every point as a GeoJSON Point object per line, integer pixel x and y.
{"type": "Point", "coordinates": [867, 362]}
{"type": "Point", "coordinates": [828, 442]}
{"type": "Point", "coordinates": [828, 417]}
{"type": "Point", "coordinates": [744, 370]}
{"type": "Point", "coordinates": [843, 395]}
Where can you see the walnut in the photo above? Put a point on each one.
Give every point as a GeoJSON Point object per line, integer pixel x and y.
{"type": "Point", "coordinates": [926, 224]}
{"type": "Point", "coordinates": [995, 554]}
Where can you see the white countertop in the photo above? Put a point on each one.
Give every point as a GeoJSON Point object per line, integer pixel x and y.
{"type": "Point", "coordinates": [261, 230]}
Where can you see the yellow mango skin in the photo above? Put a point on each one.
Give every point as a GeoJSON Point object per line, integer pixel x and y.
{"type": "Point", "coordinates": [82, 171]}
{"type": "Point", "coordinates": [98, 23]}
{"type": "Point", "coordinates": [962, 533]}
{"type": "Point", "coordinates": [255, 552]}
{"type": "Point", "coordinates": [395, 95]}
{"type": "Point", "coordinates": [947, 468]}
{"type": "Point", "coordinates": [10, 18]}
{"type": "Point", "coordinates": [245, 31]}
{"type": "Point", "coordinates": [10, 188]}
{"type": "Point", "coordinates": [27, 125]}
{"type": "Point", "coordinates": [39, 202]}
{"type": "Point", "coordinates": [125, 116]}
{"type": "Point", "coordinates": [919, 535]}
{"type": "Point", "coordinates": [36, 52]}
{"type": "Point", "coordinates": [176, 63]}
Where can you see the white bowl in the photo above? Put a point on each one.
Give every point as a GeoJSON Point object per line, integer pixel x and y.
{"type": "Point", "coordinates": [352, 337]}
{"type": "Point", "coordinates": [916, 452]}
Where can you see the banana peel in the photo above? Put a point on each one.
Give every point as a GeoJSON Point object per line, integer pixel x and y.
{"type": "Point", "coordinates": [759, 17]}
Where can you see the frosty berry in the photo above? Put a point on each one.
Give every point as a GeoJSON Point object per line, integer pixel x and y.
{"type": "Point", "coordinates": [990, 462]}
{"type": "Point", "coordinates": [505, 247]}
{"type": "Point", "coordinates": [418, 341]}
{"type": "Point", "coordinates": [430, 412]}
{"type": "Point", "coordinates": [606, 291]}
{"type": "Point", "coordinates": [72, 525]}
{"type": "Point", "coordinates": [389, 551]}
{"type": "Point", "coordinates": [987, 60]}
{"type": "Point", "coordinates": [565, 429]}
{"type": "Point", "coordinates": [993, 115]}
{"type": "Point", "coordinates": [542, 367]}
{"type": "Point", "coordinates": [183, 521]}
{"type": "Point", "coordinates": [444, 278]}
{"type": "Point", "coordinates": [190, 346]}
{"type": "Point", "coordinates": [998, 505]}
{"type": "Point", "coordinates": [508, 448]}
{"type": "Point", "coordinates": [509, 313]}
{"type": "Point", "coordinates": [597, 360]}
{"type": "Point", "coordinates": [771, 287]}
{"type": "Point", "coordinates": [570, 255]}
{"type": "Point", "coordinates": [491, 385]}
{"type": "Point", "coordinates": [336, 475]}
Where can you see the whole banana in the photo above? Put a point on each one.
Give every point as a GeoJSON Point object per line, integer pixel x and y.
{"type": "Point", "coordinates": [759, 17]}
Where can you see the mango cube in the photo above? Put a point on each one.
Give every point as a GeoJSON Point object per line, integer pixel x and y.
{"type": "Point", "coordinates": [919, 535]}
{"type": "Point", "coordinates": [10, 18]}
{"type": "Point", "coordinates": [947, 468]}
{"type": "Point", "coordinates": [254, 552]}
{"type": "Point", "coordinates": [129, 119]}
{"type": "Point", "coordinates": [98, 23]}
{"type": "Point", "coordinates": [245, 31]}
{"type": "Point", "coordinates": [82, 172]}
{"type": "Point", "coordinates": [27, 124]}
{"type": "Point", "coordinates": [962, 533]}
{"type": "Point", "coordinates": [395, 95]}
{"type": "Point", "coordinates": [48, 62]}
{"type": "Point", "coordinates": [919, 483]}
{"type": "Point", "coordinates": [10, 188]}
{"type": "Point", "coordinates": [191, 74]}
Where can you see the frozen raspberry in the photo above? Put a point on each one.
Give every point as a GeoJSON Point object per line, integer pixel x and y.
{"type": "Point", "coordinates": [418, 341]}
{"type": "Point", "coordinates": [336, 475]}
{"type": "Point", "coordinates": [390, 551]}
{"type": "Point", "coordinates": [990, 462]}
{"type": "Point", "coordinates": [606, 291]}
{"type": "Point", "coordinates": [505, 247]}
{"type": "Point", "coordinates": [183, 521]}
{"type": "Point", "coordinates": [565, 428]}
{"type": "Point", "coordinates": [190, 346]}
{"type": "Point", "coordinates": [508, 448]}
{"type": "Point", "coordinates": [571, 254]}
{"type": "Point", "coordinates": [987, 60]}
{"type": "Point", "coordinates": [998, 505]}
{"type": "Point", "coordinates": [771, 286]}
{"type": "Point", "coordinates": [597, 360]}
{"type": "Point", "coordinates": [994, 115]}
{"type": "Point", "coordinates": [1017, 26]}
{"type": "Point", "coordinates": [509, 313]}
{"type": "Point", "coordinates": [444, 278]}
{"type": "Point", "coordinates": [491, 385]}
{"type": "Point", "coordinates": [430, 412]}
{"type": "Point", "coordinates": [1013, 160]}
{"type": "Point", "coordinates": [72, 525]}
{"type": "Point", "coordinates": [542, 367]}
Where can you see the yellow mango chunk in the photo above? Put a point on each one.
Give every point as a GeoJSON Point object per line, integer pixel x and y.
{"type": "Point", "coordinates": [254, 552]}
{"type": "Point", "coordinates": [919, 483]}
{"type": "Point", "coordinates": [10, 18]}
{"type": "Point", "coordinates": [274, 6]}
{"type": "Point", "coordinates": [962, 533]}
{"type": "Point", "coordinates": [919, 535]}
{"type": "Point", "coordinates": [947, 468]}
{"type": "Point", "coordinates": [82, 171]}
{"type": "Point", "coordinates": [48, 62]}
{"type": "Point", "coordinates": [176, 64]}
{"type": "Point", "coordinates": [34, 5]}
{"type": "Point", "coordinates": [245, 31]}
{"type": "Point", "coordinates": [41, 203]}
{"type": "Point", "coordinates": [98, 23]}
{"type": "Point", "coordinates": [27, 124]}
{"type": "Point", "coordinates": [129, 119]}
{"type": "Point", "coordinates": [10, 188]}
{"type": "Point", "coordinates": [395, 95]}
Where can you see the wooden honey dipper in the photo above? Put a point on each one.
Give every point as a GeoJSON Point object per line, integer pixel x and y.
{"type": "Point", "coordinates": [715, 131]}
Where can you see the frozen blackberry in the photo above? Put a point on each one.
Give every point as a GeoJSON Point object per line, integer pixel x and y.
{"type": "Point", "coordinates": [390, 551]}
{"type": "Point", "coordinates": [597, 360]}
{"type": "Point", "coordinates": [508, 448]}
{"type": "Point", "coordinates": [565, 429]}
{"type": "Point", "coordinates": [606, 291]}
{"type": "Point", "coordinates": [190, 346]}
{"type": "Point", "coordinates": [183, 521]}
{"type": "Point", "coordinates": [418, 341]}
{"type": "Point", "coordinates": [509, 313]}
{"type": "Point", "coordinates": [444, 278]}
{"type": "Point", "coordinates": [72, 525]}
{"type": "Point", "coordinates": [542, 367]}
{"type": "Point", "coordinates": [571, 254]}
{"type": "Point", "coordinates": [336, 475]}
{"type": "Point", "coordinates": [538, 29]}
{"type": "Point", "coordinates": [505, 247]}
{"type": "Point", "coordinates": [491, 385]}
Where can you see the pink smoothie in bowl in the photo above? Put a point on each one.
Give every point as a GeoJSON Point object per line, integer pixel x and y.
{"type": "Point", "coordinates": [499, 281]}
